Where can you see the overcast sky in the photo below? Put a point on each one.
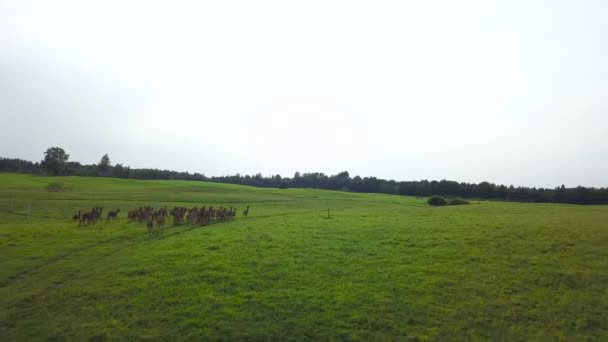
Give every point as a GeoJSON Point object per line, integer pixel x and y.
{"type": "Point", "coordinates": [513, 92]}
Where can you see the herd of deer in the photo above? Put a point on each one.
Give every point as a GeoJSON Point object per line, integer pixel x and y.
{"type": "Point", "coordinates": [93, 215]}
{"type": "Point", "coordinates": [155, 219]}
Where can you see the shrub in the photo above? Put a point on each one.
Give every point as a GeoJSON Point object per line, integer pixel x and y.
{"type": "Point", "coordinates": [56, 187]}
{"type": "Point", "coordinates": [437, 201]}
{"type": "Point", "coordinates": [458, 201]}
{"type": "Point", "coordinates": [283, 185]}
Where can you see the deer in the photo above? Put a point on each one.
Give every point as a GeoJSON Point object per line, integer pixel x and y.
{"type": "Point", "coordinates": [76, 217]}
{"type": "Point", "coordinates": [113, 214]}
{"type": "Point", "coordinates": [246, 212]}
{"type": "Point", "coordinates": [87, 217]}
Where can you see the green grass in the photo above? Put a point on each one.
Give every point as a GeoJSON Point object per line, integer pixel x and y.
{"type": "Point", "coordinates": [382, 268]}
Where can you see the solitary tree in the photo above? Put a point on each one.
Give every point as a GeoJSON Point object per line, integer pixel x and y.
{"type": "Point", "coordinates": [54, 162]}
{"type": "Point", "coordinates": [104, 164]}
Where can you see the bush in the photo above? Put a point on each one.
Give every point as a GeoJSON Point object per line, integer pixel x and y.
{"type": "Point", "coordinates": [56, 187]}
{"type": "Point", "coordinates": [437, 201]}
{"type": "Point", "coordinates": [458, 201]}
{"type": "Point", "coordinates": [283, 185]}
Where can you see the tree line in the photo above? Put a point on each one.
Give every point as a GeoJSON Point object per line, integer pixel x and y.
{"type": "Point", "coordinates": [424, 188]}
{"type": "Point", "coordinates": [56, 163]}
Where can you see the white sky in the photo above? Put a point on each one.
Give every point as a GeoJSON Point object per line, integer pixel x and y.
{"type": "Point", "coordinates": [512, 92]}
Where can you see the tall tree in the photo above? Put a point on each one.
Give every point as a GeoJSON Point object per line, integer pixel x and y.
{"type": "Point", "coordinates": [54, 162]}
{"type": "Point", "coordinates": [104, 164]}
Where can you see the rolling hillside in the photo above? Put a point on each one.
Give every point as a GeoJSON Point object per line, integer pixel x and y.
{"type": "Point", "coordinates": [380, 268]}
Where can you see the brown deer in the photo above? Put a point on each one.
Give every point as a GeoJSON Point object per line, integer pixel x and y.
{"type": "Point", "coordinates": [87, 218]}
{"type": "Point", "coordinates": [113, 215]}
{"type": "Point", "coordinates": [76, 217]}
{"type": "Point", "coordinates": [159, 217]}
{"type": "Point", "coordinates": [150, 225]}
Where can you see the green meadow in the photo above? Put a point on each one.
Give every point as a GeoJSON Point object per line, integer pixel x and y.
{"type": "Point", "coordinates": [380, 268]}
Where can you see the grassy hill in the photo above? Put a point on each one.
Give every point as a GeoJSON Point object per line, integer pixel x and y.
{"type": "Point", "coordinates": [381, 268]}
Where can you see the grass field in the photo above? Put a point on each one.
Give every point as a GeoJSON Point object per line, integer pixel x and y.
{"type": "Point", "coordinates": [381, 268]}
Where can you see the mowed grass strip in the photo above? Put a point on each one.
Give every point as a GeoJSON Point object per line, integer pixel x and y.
{"type": "Point", "coordinates": [381, 268]}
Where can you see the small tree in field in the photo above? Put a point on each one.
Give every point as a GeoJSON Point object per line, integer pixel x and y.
{"type": "Point", "coordinates": [437, 201]}
{"type": "Point", "coordinates": [458, 201]}
{"type": "Point", "coordinates": [54, 162]}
